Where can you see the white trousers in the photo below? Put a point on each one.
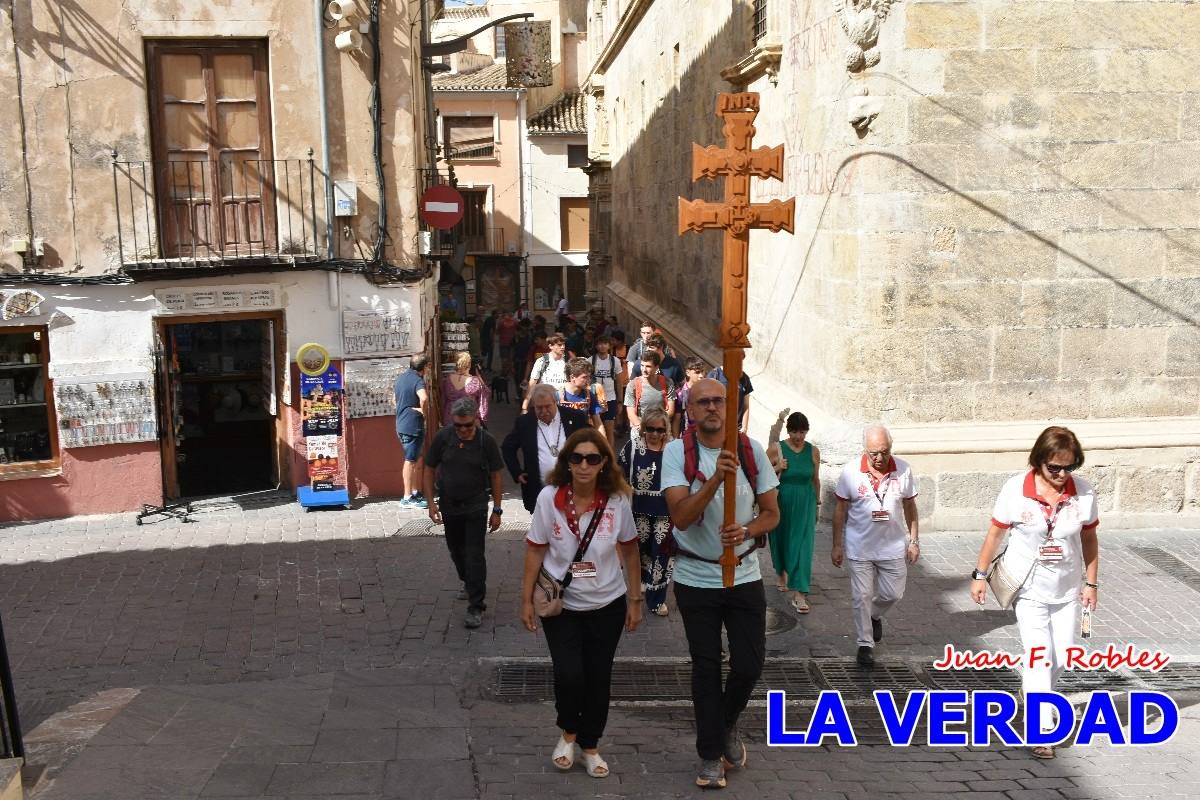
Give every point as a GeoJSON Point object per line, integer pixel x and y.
{"type": "Point", "coordinates": [875, 586]}
{"type": "Point", "coordinates": [1053, 627]}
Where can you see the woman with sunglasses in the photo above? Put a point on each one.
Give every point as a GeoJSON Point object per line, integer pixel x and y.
{"type": "Point", "coordinates": [641, 461]}
{"type": "Point", "coordinates": [1050, 517]}
{"type": "Point", "coordinates": [599, 600]}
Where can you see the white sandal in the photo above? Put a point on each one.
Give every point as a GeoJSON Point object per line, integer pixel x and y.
{"type": "Point", "coordinates": [564, 749]}
{"type": "Point", "coordinates": [596, 766]}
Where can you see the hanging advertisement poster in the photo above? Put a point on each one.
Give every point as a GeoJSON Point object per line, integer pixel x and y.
{"type": "Point", "coordinates": [322, 455]}
{"type": "Point", "coordinates": [321, 403]}
{"type": "Point", "coordinates": [321, 414]}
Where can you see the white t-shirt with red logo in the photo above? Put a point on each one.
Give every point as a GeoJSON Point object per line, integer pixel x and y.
{"type": "Point", "coordinates": [869, 536]}
{"type": "Point", "coordinates": [1025, 515]}
{"type": "Point", "coordinates": [549, 528]}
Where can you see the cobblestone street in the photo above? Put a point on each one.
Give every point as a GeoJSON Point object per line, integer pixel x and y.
{"type": "Point", "coordinates": [284, 654]}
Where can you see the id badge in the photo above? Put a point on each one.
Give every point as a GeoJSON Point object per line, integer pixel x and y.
{"type": "Point", "coordinates": [1050, 553]}
{"type": "Point", "coordinates": [880, 516]}
{"type": "Point", "coordinates": [583, 569]}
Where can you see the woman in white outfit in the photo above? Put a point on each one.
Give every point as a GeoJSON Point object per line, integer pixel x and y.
{"type": "Point", "coordinates": [1051, 517]}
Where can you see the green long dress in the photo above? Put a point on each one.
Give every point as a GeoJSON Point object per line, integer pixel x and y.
{"type": "Point", "coordinates": [792, 542]}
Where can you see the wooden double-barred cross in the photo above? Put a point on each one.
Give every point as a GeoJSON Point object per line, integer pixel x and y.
{"type": "Point", "coordinates": [737, 216]}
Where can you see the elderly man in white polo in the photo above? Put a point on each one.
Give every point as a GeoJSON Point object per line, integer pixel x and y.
{"type": "Point", "coordinates": [875, 531]}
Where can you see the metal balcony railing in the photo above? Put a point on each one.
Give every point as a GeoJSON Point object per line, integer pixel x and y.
{"type": "Point", "coordinates": [11, 744]}
{"type": "Point", "coordinates": [240, 211]}
{"type": "Point", "coordinates": [488, 240]}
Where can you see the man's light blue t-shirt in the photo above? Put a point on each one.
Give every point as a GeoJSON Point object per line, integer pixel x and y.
{"type": "Point", "coordinates": [704, 537]}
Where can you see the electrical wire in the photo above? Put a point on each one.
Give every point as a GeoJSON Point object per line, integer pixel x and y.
{"type": "Point", "coordinates": [50, 279]}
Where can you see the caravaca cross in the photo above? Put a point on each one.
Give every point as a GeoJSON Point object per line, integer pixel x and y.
{"type": "Point", "coordinates": [736, 162]}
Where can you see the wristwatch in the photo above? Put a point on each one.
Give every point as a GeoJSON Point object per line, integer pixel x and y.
{"type": "Point", "coordinates": [979, 575]}
{"type": "Point", "coordinates": [498, 511]}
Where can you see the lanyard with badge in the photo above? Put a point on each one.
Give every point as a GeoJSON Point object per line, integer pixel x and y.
{"type": "Point", "coordinates": [1049, 552]}
{"type": "Point", "coordinates": [580, 568]}
{"type": "Point", "coordinates": [882, 514]}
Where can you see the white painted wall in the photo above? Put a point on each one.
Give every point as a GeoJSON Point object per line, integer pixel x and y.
{"type": "Point", "coordinates": [97, 330]}
{"type": "Point", "coordinates": [550, 180]}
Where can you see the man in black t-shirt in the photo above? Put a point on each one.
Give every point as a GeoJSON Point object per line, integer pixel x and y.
{"type": "Point", "coordinates": [468, 462]}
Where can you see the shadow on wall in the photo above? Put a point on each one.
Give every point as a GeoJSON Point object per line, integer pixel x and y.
{"type": "Point", "coordinates": [75, 30]}
{"type": "Point", "coordinates": [684, 273]}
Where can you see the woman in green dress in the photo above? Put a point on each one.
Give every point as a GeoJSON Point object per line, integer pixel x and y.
{"type": "Point", "coordinates": [798, 464]}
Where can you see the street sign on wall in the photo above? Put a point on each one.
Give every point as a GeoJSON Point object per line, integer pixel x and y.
{"type": "Point", "coordinates": [442, 207]}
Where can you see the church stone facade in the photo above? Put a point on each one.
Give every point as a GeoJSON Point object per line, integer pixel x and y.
{"type": "Point", "coordinates": [997, 226]}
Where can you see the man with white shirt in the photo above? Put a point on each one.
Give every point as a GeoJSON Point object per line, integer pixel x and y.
{"type": "Point", "coordinates": [875, 531]}
{"type": "Point", "coordinates": [531, 448]}
{"type": "Point", "coordinates": [549, 368]}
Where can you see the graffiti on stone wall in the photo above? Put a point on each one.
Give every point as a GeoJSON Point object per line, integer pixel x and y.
{"type": "Point", "coordinates": [816, 41]}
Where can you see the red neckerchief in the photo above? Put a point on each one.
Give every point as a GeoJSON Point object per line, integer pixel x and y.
{"type": "Point", "coordinates": [1050, 512]}
{"type": "Point", "coordinates": [564, 501]}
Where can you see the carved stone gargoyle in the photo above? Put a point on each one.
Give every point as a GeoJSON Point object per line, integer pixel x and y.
{"type": "Point", "coordinates": [860, 19]}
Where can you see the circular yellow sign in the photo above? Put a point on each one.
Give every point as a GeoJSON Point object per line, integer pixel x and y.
{"type": "Point", "coordinates": [312, 359]}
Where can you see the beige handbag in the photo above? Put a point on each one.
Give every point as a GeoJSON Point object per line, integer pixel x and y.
{"type": "Point", "coordinates": [1004, 582]}
{"type": "Point", "coordinates": [548, 590]}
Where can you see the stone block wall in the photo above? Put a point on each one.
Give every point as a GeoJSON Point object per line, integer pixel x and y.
{"type": "Point", "coordinates": [1013, 240]}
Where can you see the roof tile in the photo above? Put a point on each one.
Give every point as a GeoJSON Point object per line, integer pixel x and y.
{"type": "Point", "coordinates": [566, 115]}
{"type": "Point", "coordinates": [492, 78]}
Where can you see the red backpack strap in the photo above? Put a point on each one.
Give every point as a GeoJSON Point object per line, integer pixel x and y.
{"type": "Point", "coordinates": [748, 462]}
{"type": "Point", "coordinates": [691, 458]}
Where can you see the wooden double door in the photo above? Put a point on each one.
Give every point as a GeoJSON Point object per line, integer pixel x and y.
{"type": "Point", "coordinates": [213, 163]}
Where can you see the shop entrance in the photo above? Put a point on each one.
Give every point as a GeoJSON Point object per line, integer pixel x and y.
{"type": "Point", "coordinates": [219, 393]}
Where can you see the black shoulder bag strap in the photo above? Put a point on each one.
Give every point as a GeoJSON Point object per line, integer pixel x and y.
{"type": "Point", "coordinates": [587, 540]}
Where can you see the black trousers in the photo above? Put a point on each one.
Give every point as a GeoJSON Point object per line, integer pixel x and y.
{"type": "Point", "coordinates": [742, 610]}
{"type": "Point", "coordinates": [464, 538]}
{"type": "Point", "coordinates": [582, 647]}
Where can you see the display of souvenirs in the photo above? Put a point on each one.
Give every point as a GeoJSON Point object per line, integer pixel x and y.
{"type": "Point", "coordinates": [370, 386]}
{"type": "Point", "coordinates": [106, 410]}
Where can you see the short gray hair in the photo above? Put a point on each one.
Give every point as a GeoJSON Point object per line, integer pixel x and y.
{"type": "Point", "coordinates": [656, 414]}
{"type": "Point", "coordinates": [877, 427]}
{"type": "Point", "coordinates": [464, 407]}
{"type": "Point", "coordinates": [542, 389]}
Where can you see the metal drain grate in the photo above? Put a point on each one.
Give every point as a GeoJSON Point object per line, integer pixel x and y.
{"type": "Point", "coordinates": [1003, 680]}
{"type": "Point", "coordinates": [848, 678]}
{"type": "Point", "coordinates": [1174, 678]}
{"type": "Point", "coordinates": [794, 677]}
{"type": "Point", "coordinates": [1169, 564]}
{"type": "Point", "coordinates": [634, 681]}
{"type": "Point", "coordinates": [419, 527]}
{"type": "Point", "coordinates": [1100, 680]}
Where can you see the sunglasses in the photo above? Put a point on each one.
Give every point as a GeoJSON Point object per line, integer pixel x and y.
{"type": "Point", "coordinates": [1054, 469]}
{"type": "Point", "coordinates": [654, 430]}
{"type": "Point", "coordinates": [462, 426]}
{"type": "Point", "coordinates": [593, 459]}
{"type": "Point", "coordinates": [709, 402]}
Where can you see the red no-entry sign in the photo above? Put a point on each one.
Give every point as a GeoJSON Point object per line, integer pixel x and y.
{"type": "Point", "coordinates": [441, 207]}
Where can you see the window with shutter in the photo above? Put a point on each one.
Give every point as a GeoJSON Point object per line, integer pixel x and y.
{"type": "Point", "coordinates": [469, 137]}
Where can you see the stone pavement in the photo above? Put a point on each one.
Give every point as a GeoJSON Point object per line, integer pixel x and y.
{"type": "Point", "coordinates": [272, 653]}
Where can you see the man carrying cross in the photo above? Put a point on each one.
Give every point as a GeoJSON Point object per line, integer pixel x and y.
{"type": "Point", "coordinates": [727, 592]}
{"type": "Point", "coordinates": [695, 468]}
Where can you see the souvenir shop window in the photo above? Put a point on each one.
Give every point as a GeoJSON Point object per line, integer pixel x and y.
{"type": "Point", "coordinates": [27, 428]}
